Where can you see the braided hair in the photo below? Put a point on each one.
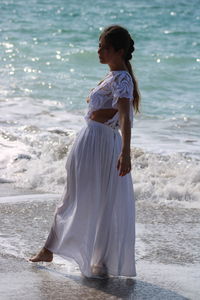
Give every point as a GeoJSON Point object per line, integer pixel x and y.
{"type": "Point", "coordinates": [131, 49]}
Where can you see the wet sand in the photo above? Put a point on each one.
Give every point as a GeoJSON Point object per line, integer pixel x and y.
{"type": "Point", "coordinates": [167, 253]}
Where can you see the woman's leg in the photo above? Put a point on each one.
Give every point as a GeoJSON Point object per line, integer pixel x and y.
{"type": "Point", "coordinates": [45, 254]}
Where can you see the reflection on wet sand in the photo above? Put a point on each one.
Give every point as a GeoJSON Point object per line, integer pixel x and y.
{"type": "Point", "coordinates": [164, 234]}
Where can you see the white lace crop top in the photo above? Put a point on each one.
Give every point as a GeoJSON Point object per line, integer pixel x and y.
{"type": "Point", "coordinates": [117, 84]}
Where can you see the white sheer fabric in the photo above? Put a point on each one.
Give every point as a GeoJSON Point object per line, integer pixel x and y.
{"type": "Point", "coordinates": [117, 84]}
{"type": "Point", "coordinates": [95, 222]}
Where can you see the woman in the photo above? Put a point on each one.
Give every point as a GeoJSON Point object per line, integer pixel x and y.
{"type": "Point", "coordinates": [95, 224]}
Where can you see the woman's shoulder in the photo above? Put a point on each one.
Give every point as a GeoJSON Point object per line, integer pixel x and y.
{"type": "Point", "coordinates": [121, 76]}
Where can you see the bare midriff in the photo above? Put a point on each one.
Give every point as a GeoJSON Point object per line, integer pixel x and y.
{"type": "Point", "coordinates": [103, 115]}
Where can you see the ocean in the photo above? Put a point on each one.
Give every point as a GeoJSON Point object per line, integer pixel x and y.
{"type": "Point", "coordinates": [49, 63]}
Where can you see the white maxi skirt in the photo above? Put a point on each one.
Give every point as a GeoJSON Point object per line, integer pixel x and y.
{"type": "Point", "coordinates": [95, 222]}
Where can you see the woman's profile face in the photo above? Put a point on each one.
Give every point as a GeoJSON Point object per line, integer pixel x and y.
{"type": "Point", "coordinates": [106, 52]}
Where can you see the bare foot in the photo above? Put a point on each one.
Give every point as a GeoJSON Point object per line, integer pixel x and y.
{"type": "Point", "coordinates": [99, 270]}
{"type": "Point", "coordinates": [43, 255]}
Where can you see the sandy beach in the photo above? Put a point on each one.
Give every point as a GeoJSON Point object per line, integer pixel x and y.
{"type": "Point", "coordinates": [167, 256]}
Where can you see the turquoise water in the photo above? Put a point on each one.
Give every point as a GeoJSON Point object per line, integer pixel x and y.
{"type": "Point", "coordinates": [49, 51]}
{"type": "Point", "coordinates": [49, 63]}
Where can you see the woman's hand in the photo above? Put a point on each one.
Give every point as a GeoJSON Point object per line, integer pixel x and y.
{"type": "Point", "coordinates": [124, 164]}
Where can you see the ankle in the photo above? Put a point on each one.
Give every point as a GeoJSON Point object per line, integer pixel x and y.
{"type": "Point", "coordinates": [47, 250]}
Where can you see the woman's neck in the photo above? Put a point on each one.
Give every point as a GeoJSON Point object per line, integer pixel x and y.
{"type": "Point", "coordinates": [118, 67]}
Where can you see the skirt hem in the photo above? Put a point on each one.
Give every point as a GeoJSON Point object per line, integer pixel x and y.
{"type": "Point", "coordinates": [69, 257]}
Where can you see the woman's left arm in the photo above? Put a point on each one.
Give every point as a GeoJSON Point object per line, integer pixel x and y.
{"type": "Point", "coordinates": [124, 160]}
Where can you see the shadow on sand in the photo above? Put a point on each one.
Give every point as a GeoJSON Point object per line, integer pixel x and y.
{"type": "Point", "coordinates": [110, 288]}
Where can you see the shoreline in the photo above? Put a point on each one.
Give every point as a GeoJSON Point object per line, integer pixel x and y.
{"type": "Point", "coordinates": [163, 269]}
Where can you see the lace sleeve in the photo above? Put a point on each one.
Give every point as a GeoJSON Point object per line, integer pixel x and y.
{"type": "Point", "coordinates": [122, 87]}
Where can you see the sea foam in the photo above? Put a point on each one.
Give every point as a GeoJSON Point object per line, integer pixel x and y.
{"type": "Point", "coordinates": [36, 160]}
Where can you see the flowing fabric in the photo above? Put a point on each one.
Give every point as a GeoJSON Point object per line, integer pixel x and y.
{"type": "Point", "coordinates": [95, 221]}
